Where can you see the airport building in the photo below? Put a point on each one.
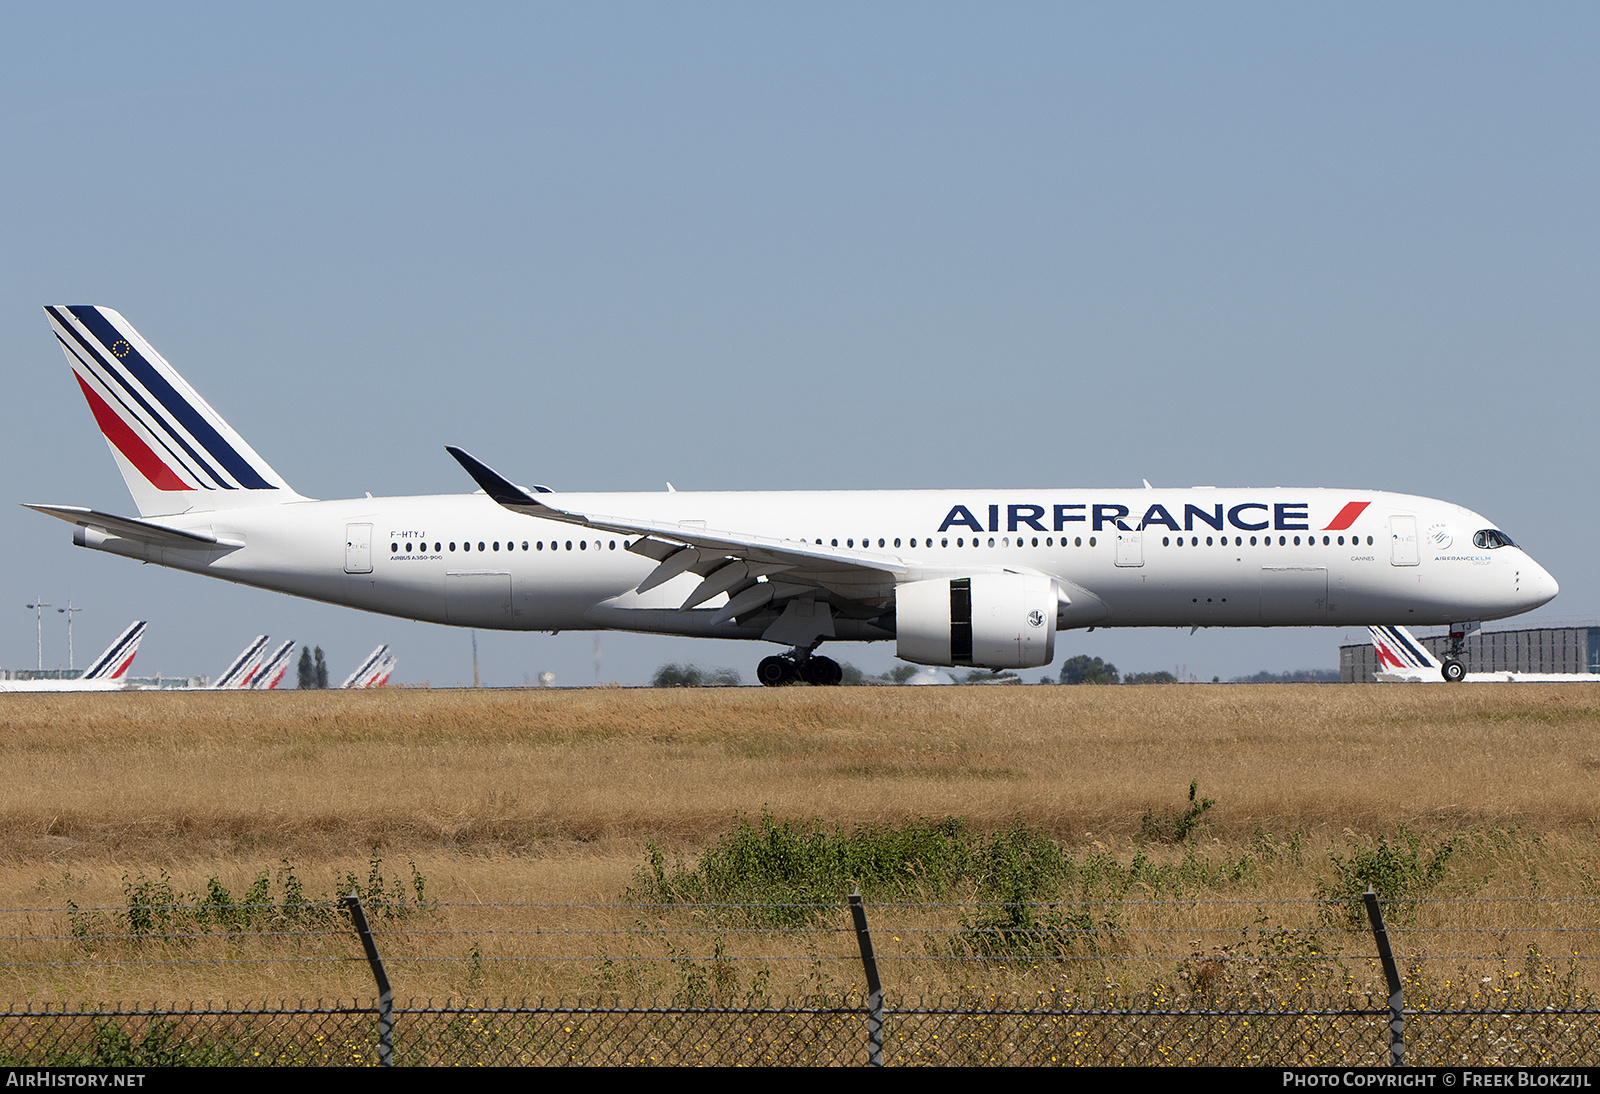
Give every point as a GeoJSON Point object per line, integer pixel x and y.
{"type": "Point", "coordinates": [1533, 649]}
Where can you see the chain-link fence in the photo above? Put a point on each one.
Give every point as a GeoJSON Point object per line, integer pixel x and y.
{"type": "Point", "coordinates": [1033, 986]}
{"type": "Point", "coordinates": [915, 1032]}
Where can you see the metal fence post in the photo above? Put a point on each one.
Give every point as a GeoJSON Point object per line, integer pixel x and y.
{"type": "Point", "coordinates": [385, 995]}
{"type": "Point", "coordinates": [1397, 1019]}
{"type": "Point", "coordinates": [869, 961]}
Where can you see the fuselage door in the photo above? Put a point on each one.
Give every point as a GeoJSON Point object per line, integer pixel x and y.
{"type": "Point", "coordinates": [358, 548]}
{"type": "Point", "coordinates": [1403, 538]}
{"type": "Point", "coordinates": [1130, 548]}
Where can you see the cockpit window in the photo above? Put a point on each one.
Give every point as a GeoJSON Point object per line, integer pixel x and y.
{"type": "Point", "coordinates": [1492, 537]}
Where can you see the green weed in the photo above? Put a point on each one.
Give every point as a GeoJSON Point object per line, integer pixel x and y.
{"type": "Point", "coordinates": [1173, 826]}
{"type": "Point", "coordinates": [154, 912]}
{"type": "Point", "coordinates": [1399, 870]}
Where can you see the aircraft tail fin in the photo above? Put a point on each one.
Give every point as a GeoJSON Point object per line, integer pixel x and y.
{"type": "Point", "coordinates": [1398, 651]}
{"type": "Point", "coordinates": [174, 451]}
{"type": "Point", "coordinates": [273, 667]}
{"type": "Point", "coordinates": [244, 668]}
{"type": "Point", "coordinates": [115, 662]}
{"type": "Point", "coordinates": [374, 671]}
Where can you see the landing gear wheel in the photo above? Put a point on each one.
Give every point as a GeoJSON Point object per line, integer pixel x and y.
{"type": "Point", "coordinates": [821, 671]}
{"type": "Point", "coordinates": [775, 672]}
{"type": "Point", "coordinates": [1453, 671]}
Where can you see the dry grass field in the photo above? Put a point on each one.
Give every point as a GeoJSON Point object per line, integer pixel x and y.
{"type": "Point", "coordinates": [551, 797]}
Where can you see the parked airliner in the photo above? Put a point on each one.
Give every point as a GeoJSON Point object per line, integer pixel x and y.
{"type": "Point", "coordinates": [273, 667]}
{"type": "Point", "coordinates": [1404, 660]}
{"type": "Point", "coordinates": [980, 578]}
{"type": "Point", "coordinates": [242, 671]}
{"type": "Point", "coordinates": [374, 672]}
{"type": "Point", "coordinates": [108, 672]}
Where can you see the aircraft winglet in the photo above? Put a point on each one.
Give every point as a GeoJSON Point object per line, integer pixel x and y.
{"type": "Point", "coordinates": [502, 490]}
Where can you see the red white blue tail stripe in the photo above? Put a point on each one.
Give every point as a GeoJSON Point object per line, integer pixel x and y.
{"type": "Point", "coordinates": [115, 662]}
{"type": "Point", "coordinates": [1398, 651]}
{"type": "Point", "coordinates": [273, 668]}
{"type": "Point", "coordinates": [374, 671]}
{"type": "Point", "coordinates": [245, 667]}
{"type": "Point", "coordinates": [168, 440]}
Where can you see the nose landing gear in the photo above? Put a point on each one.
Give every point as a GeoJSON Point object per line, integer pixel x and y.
{"type": "Point", "coordinates": [800, 666]}
{"type": "Point", "coordinates": [1454, 670]}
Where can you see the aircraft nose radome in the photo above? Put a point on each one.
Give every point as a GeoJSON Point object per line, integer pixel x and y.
{"type": "Point", "coordinates": [1543, 587]}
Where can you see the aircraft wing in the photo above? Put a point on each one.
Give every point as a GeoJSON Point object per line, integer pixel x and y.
{"type": "Point", "coordinates": [727, 561]}
{"type": "Point", "coordinates": [157, 535]}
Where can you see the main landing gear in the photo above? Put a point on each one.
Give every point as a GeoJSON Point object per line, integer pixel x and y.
{"type": "Point", "coordinates": [799, 667]}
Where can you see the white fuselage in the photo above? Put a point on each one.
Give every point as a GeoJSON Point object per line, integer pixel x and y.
{"type": "Point", "coordinates": [1131, 558]}
{"type": "Point", "coordinates": [63, 685]}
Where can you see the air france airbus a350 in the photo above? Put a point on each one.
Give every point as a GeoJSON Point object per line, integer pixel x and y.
{"type": "Point", "coordinates": [980, 578]}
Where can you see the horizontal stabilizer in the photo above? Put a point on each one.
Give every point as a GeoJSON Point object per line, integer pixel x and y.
{"type": "Point", "coordinates": [143, 531]}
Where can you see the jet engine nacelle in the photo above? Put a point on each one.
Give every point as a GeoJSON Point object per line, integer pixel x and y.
{"type": "Point", "coordinates": [992, 621]}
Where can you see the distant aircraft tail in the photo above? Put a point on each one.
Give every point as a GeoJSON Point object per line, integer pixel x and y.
{"type": "Point", "coordinates": [175, 452]}
{"type": "Point", "coordinates": [115, 662]}
{"type": "Point", "coordinates": [273, 667]}
{"type": "Point", "coordinates": [245, 667]}
{"type": "Point", "coordinates": [374, 671]}
{"type": "Point", "coordinates": [1398, 651]}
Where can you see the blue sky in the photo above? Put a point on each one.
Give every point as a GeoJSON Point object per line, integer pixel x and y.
{"type": "Point", "coordinates": [832, 246]}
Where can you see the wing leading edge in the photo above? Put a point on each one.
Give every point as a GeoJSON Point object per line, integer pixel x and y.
{"type": "Point", "coordinates": [755, 572]}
